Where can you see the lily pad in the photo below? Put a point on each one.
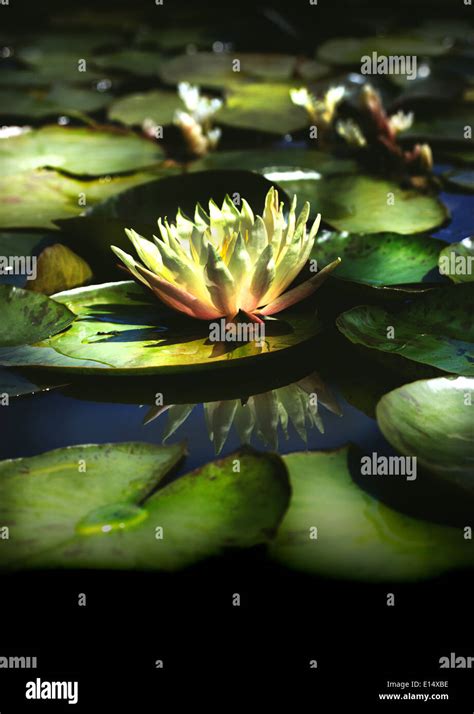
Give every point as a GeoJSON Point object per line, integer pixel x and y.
{"type": "Point", "coordinates": [207, 69]}
{"type": "Point", "coordinates": [22, 78]}
{"type": "Point", "coordinates": [461, 179]}
{"type": "Point", "coordinates": [144, 63]}
{"type": "Point", "coordinates": [364, 204]}
{"type": "Point", "coordinates": [358, 537]}
{"type": "Point", "coordinates": [61, 99]}
{"type": "Point", "coordinates": [119, 330]}
{"type": "Point", "coordinates": [14, 384]}
{"type": "Point", "coordinates": [262, 107]}
{"type": "Point", "coordinates": [454, 124]}
{"type": "Point", "coordinates": [277, 164]}
{"type": "Point", "coordinates": [83, 151]}
{"type": "Point", "coordinates": [34, 199]}
{"type": "Point", "coordinates": [433, 420]}
{"type": "Point", "coordinates": [63, 66]}
{"type": "Point", "coordinates": [80, 42]}
{"type": "Point", "coordinates": [436, 329]}
{"type": "Point", "coordinates": [30, 317]}
{"type": "Point", "coordinates": [457, 261]}
{"type": "Point", "coordinates": [210, 69]}
{"type": "Point", "coordinates": [158, 105]}
{"type": "Point", "coordinates": [464, 157]}
{"type": "Point", "coordinates": [105, 518]}
{"type": "Point", "coordinates": [43, 498]}
{"type": "Point", "coordinates": [58, 268]}
{"type": "Point", "coordinates": [378, 259]}
{"type": "Point", "coordinates": [351, 50]}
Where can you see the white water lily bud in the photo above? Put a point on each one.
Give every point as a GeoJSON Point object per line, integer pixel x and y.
{"type": "Point", "coordinates": [351, 132]}
{"type": "Point", "coordinates": [400, 121]}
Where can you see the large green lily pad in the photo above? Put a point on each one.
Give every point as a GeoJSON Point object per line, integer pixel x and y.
{"type": "Point", "coordinates": [103, 517]}
{"type": "Point", "coordinates": [457, 261]}
{"type": "Point", "coordinates": [453, 124]}
{"type": "Point", "coordinates": [350, 50]}
{"type": "Point", "coordinates": [436, 329]}
{"type": "Point", "coordinates": [461, 179]}
{"type": "Point", "coordinates": [209, 69]}
{"type": "Point", "coordinates": [43, 498]}
{"type": "Point", "coordinates": [61, 99]}
{"type": "Point", "coordinates": [280, 165]}
{"type": "Point", "coordinates": [144, 63]}
{"type": "Point", "coordinates": [82, 151]}
{"type": "Point", "coordinates": [13, 384]}
{"type": "Point", "coordinates": [365, 204]}
{"type": "Point", "coordinates": [63, 66]}
{"type": "Point", "coordinates": [378, 258]}
{"type": "Point", "coordinates": [22, 78]}
{"type": "Point", "coordinates": [433, 420]}
{"type": "Point", "coordinates": [34, 199]}
{"type": "Point", "coordinates": [358, 537]}
{"type": "Point", "coordinates": [30, 317]}
{"type": "Point", "coordinates": [79, 42]}
{"type": "Point", "coordinates": [120, 330]}
{"type": "Point", "coordinates": [262, 107]}
{"type": "Point", "coordinates": [158, 105]}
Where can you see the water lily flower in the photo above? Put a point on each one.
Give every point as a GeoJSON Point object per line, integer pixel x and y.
{"type": "Point", "coordinates": [228, 261]}
{"type": "Point", "coordinates": [321, 111]}
{"type": "Point", "coordinates": [200, 107]}
{"type": "Point", "coordinates": [196, 122]}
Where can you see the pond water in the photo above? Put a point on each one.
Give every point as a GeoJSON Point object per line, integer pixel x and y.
{"type": "Point", "coordinates": [52, 420]}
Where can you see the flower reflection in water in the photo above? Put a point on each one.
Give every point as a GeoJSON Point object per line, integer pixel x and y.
{"type": "Point", "coordinates": [259, 415]}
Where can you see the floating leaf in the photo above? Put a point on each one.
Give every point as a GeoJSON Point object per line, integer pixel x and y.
{"type": "Point", "coordinates": [262, 107]}
{"type": "Point", "coordinates": [58, 268]}
{"type": "Point", "coordinates": [436, 329]}
{"type": "Point", "coordinates": [457, 261]}
{"type": "Point", "coordinates": [103, 518]}
{"type": "Point", "coordinates": [209, 69]}
{"type": "Point", "coordinates": [158, 105]}
{"type": "Point", "coordinates": [81, 151]}
{"type": "Point", "coordinates": [44, 498]}
{"type": "Point", "coordinates": [79, 42]}
{"type": "Point", "coordinates": [363, 204]}
{"type": "Point", "coordinates": [351, 50]}
{"type": "Point", "coordinates": [358, 537]}
{"type": "Point", "coordinates": [63, 66]}
{"type": "Point", "coordinates": [449, 125]}
{"type": "Point", "coordinates": [378, 259]}
{"type": "Point", "coordinates": [119, 331]}
{"type": "Point", "coordinates": [29, 317]}
{"type": "Point", "coordinates": [14, 384]}
{"type": "Point", "coordinates": [34, 199]}
{"type": "Point", "coordinates": [464, 157]}
{"type": "Point", "coordinates": [432, 420]}
{"type": "Point", "coordinates": [461, 179]}
{"type": "Point", "coordinates": [144, 63]}
{"type": "Point", "coordinates": [61, 99]}
{"type": "Point", "coordinates": [275, 164]}
{"type": "Point", "coordinates": [22, 78]}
